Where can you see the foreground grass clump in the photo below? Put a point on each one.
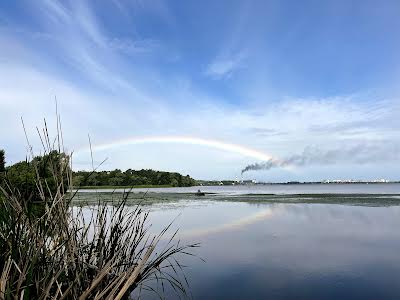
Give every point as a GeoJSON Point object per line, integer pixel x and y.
{"type": "Point", "coordinates": [65, 252]}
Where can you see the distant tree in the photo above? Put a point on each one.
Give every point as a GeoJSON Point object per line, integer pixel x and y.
{"type": "Point", "coordinates": [78, 180]}
{"type": "Point", "coordinates": [2, 161]}
{"type": "Point", "coordinates": [23, 176]}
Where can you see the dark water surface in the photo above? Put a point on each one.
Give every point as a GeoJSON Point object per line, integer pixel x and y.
{"type": "Point", "coordinates": [291, 251]}
{"type": "Point", "coordinates": [267, 250]}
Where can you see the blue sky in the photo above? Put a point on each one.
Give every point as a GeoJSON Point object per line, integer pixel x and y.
{"type": "Point", "coordinates": [275, 76]}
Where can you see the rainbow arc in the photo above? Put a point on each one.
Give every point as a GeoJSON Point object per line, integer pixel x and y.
{"type": "Point", "coordinates": [215, 144]}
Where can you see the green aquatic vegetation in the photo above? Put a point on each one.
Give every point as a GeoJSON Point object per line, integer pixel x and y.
{"type": "Point", "coordinates": [150, 198]}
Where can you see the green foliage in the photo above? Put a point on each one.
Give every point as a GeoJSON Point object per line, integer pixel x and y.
{"type": "Point", "coordinates": [131, 178]}
{"type": "Point", "coordinates": [2, 161]}
{"type": "Point", "coordinates": [23, 176]}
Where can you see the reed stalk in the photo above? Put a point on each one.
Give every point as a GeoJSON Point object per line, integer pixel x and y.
{"type": "Point", "coordinates": [100, 252]}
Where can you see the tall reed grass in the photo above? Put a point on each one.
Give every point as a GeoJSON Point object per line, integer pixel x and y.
{"type": "Point", "coordinates": [66, 253]}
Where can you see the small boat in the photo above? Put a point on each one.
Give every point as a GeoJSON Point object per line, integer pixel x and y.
{"type": "Point", "coordinates": [200, 193]}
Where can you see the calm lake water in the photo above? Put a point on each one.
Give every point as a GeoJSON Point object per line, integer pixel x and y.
{"type": "Point", "coordinates": [387, 188]}
{"type": "Point", "coordinates": [267, 250]}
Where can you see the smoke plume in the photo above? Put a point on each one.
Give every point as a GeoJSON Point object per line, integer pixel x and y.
{"type": "Point", "coordinates": [359, 154]}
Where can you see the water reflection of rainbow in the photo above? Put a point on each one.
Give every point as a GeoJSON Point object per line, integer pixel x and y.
{"type": "Point", "coordinates": [233, 148]}
{"type": "Point", "coordinates": [234, 225]}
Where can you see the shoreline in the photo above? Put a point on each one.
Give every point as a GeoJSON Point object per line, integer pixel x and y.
{"type": "Point", "coordinates": [109, 187]}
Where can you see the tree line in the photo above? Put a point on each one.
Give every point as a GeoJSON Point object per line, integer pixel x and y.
{"type": "Point", "coordinates": [25, 173]}
{"type": "Point", "coordinates": [131, 178]}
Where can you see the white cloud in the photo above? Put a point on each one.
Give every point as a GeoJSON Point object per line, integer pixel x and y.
{"type": "Point", "coordinates": [29, 93]}
{"type": "Point", "coordinates": [132, 109]}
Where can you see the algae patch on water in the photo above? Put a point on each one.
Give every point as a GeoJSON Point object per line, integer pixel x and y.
{"type": "Point", "coordinates": [91, 198]}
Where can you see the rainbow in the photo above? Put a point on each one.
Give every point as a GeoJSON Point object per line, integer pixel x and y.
{"type": "Point", "coordinates": [232, 148]}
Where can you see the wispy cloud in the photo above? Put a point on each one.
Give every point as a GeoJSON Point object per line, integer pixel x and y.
{"type": "Point", "coordinates": [106, 87]}
{"type": "Point", "coordinates": [233, 50]}
{"type": "Point", "coordinates": [80, 41]}
{"type": "Point", "coordinates": [130, 46]}
{"type": "Point", "coordinates": [266, 132]}
{"type": "Point", "coordinates": [224, 67]}
{"type": "Point", "coordinates": [155, 8]}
